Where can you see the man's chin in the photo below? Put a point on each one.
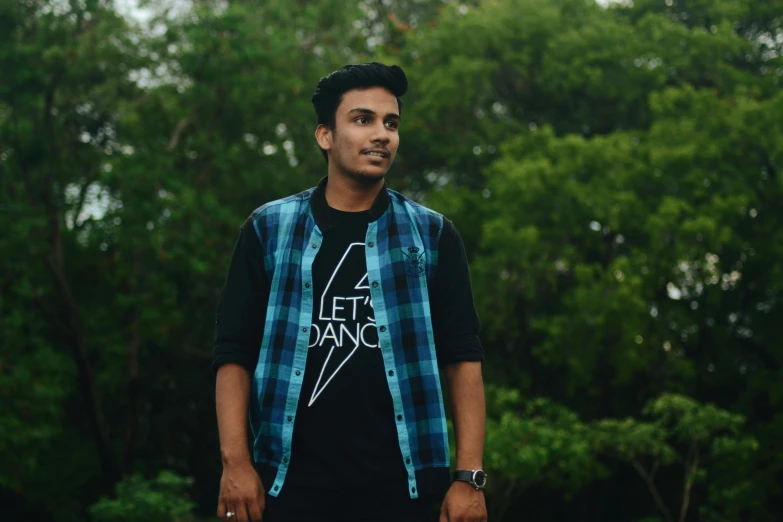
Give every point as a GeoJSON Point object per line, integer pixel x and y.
{"type": "Point", "coordinates": [367, 178]}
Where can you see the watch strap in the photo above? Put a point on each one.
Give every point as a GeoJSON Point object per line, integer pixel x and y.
{"type": "Point", "coordinates": [463, 476]}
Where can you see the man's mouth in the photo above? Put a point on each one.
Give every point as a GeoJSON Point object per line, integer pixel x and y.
{"type": "Point", "coordinates": [377, 153]}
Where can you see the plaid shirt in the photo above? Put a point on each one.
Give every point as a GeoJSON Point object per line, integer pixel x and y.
{"type": "Point", "coordinates": [402, 255]}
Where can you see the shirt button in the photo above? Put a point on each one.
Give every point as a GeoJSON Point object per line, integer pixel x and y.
{"type": "Point", "coordinates": [370, 244]}
{"type": "Point", "coordinates": [285, 460]}
{"type": "Point", "coordinates": [407, 461]}
{"type": "Point", "coordinates": [383, 328]}
{"type": "Point", "coordinates": [391, 373]}
{"type": "Point", "coordinates": [307, 285]}
{"type": "Point", "coordinates": [298, 372]}
{"type": "Point", "coordinates": [399, 417]}
{"type": "Point", "coordinates": [277, 488]}
{"type": "Point", "coordinates": [304, 329]}
{"type": "Point", "coordinates": [290, 419]}
{"type": "Point", "coordinates": [375, 284]}
{"type": "Point", "coordinates": [413, 490]}
{"type": "Point", "coordinates": [314, 245]}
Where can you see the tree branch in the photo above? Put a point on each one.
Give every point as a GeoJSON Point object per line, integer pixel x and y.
{"type": "Point", "coordinates": [55, 261]}
{"type": "Point", "coordinates": [87, 379]}
{"type": "Point", "coordinates": [653, 490]}
{"type": "Point", "coordinates": [501, 506]}
{"type": "Point", "coordinates": [53, 317]}
{"type": "Point", "coordinates": [181, 126]}
{"type": "Point", "coordinates": [654, 469]}
{"type": "Point", "coordinates": [134, 403]}
{"type": "Point", "coordinates": [80, 202]}
{"type": "Point", "coordinates": [691, 467]}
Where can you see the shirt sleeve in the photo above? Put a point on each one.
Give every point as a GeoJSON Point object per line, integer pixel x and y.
{"type": "Point", "coordinates": [454, 319]}
{"type": "Point", "coordinates": [241, 310]}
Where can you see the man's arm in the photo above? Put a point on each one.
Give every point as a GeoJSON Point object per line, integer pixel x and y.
{"type": "Point", "coordinates": [463, 502]}
{"type": "Point", "coordinates": [238, 333]}
{"type": "Point", "coordinates": [466, 388]}
{"type": "Point", "coordinates": [232, 399]}
{"type": "Point", "coordinates": [241, 491]}
{"type": "Point", "coordinates": [459, 351]}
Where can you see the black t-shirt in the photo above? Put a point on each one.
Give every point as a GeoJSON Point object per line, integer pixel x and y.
{"type": "Point", "coordinates": [345, 431]}
{"type": "Point", "coordinates": [345, 434]}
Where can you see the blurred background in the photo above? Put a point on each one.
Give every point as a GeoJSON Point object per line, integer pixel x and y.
{"type": "Point", "coordinates": [613, 168]}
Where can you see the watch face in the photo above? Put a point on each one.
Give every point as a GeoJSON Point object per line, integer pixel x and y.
{"type": "Point", "coordinates": [480, 478]}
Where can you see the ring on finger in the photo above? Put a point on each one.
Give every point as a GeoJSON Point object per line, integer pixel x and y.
{"type": "Point", "coordinates": [230, 514]}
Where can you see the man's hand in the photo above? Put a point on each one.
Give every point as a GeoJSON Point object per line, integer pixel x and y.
{"type": "Point", "coordinates": [463, 503]}
{"type": "Point", "coordinates": [241, 493]}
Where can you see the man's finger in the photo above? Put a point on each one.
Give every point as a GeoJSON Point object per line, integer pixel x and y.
{"type": "Point", "coordinates": [255, 510]}
{"type": "Point", "coordinates": [241, 515]}
{"type": "Point", "coordinates": [221, 509]}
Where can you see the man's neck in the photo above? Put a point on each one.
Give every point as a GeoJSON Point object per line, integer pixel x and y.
{"type": "Point", "coordinates": [349, 195]}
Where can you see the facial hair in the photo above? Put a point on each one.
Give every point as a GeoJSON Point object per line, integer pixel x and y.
{"type": "Point", "coordinates": [365, 180]}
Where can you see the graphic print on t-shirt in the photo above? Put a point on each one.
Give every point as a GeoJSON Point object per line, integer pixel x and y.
{"type": "Point", "coordinates": [345, 322]}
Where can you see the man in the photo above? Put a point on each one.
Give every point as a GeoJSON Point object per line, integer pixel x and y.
{"type": "Point", "coordinates": [340, 306]}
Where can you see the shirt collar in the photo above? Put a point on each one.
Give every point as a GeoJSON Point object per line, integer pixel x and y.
{"type": "Point", "coordinates": [321, 208]}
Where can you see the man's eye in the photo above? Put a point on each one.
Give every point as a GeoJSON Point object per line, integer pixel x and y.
{"type": "Point", "coordinates": [363, 120]}
{"type": "Point", "coordinates": [393, 124]}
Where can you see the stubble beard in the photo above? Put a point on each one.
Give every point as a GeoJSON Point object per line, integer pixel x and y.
{"type": "Point", "coordinates": [361, 177]}
{"type": "Point", "coordinates": [365, 179]}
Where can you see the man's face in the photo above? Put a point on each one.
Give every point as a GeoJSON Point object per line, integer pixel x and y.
{"type": "Point", "coordinates": [365, 138]}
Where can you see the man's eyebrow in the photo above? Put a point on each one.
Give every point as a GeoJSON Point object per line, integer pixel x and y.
{"type": "Point", "coordinates": [371, 112]}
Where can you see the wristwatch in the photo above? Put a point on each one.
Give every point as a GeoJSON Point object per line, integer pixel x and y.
{"type": "Point", "coordinates": [475, 477]}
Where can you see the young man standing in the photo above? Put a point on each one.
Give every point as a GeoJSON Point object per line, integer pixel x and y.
{"type": "Point", "coordinates": [341, 305]}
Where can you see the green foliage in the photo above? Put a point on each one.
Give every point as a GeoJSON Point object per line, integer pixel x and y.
{"type": "Point", "coordinates": [533, 442]}
{"type": "Point", "coordinates": [162, 499]}
{"type": "Point", "coordinates": [537, 442]}
{"type": "Point", "coordinates": [33, 387]}
{"type": "Point", "coordinates": [712, 436]}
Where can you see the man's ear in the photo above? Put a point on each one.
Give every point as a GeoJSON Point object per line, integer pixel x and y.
{"type": "Point", "coordinates": [323, 135]}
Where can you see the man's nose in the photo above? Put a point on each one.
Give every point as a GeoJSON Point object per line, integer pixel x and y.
{"type": "Point", "coordinates": [380, 134]}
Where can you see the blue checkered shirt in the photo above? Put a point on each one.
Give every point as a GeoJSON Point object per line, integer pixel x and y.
{"type": "Point", "coordinates": [401, 254]}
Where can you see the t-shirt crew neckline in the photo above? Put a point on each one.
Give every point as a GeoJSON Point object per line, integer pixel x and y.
{"type": "Point", "coordinates": [349, 215]}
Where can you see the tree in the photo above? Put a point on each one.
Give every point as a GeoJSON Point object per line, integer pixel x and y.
{"type": "Point", "coordinates": [66, 69]}
{"type": "Point", "coordinates": [709, 434]}
{"type": "Point", "coordinates": [613, 204]}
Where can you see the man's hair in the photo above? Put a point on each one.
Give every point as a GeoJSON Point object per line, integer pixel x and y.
{"type": "Point", "coordinates": [330, 90]}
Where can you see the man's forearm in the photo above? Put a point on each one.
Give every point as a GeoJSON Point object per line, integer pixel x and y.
{"type": "Point", "coordinates": [232, 397]}
{"type": "Point", "coordinates": [466, 388]}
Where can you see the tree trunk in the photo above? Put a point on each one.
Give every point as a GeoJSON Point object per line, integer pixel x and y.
{"type": "Point", "coordinates": [98, 425]}
{"type": "Point", "coordinates": [134, 392]}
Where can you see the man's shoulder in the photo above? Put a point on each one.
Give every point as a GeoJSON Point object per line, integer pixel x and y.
{"type": "Point", "coordinates": [417, 208]}
{"type": "Point", "coordinates": [287, 204]}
